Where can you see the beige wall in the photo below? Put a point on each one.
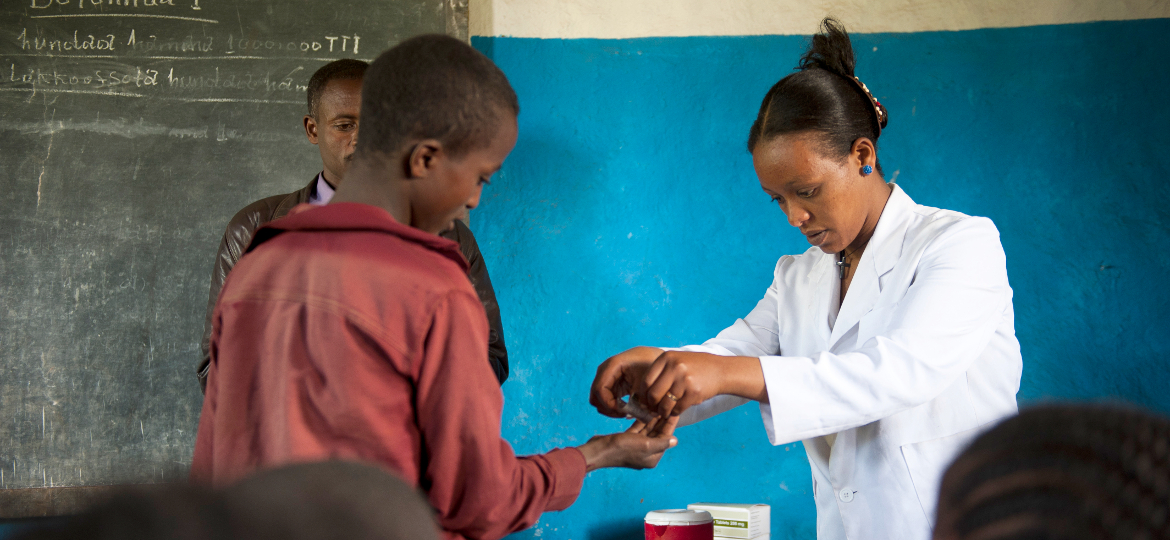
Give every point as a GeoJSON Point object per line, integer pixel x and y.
{"type": "Point", "coordinates": [645, 18]}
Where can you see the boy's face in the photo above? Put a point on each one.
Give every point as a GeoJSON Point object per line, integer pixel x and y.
{"type": "Point", "coordinates": [454, 184]}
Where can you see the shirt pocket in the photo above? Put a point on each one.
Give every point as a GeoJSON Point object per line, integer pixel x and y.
{"type": "Point", "coordinates": [927, 461]}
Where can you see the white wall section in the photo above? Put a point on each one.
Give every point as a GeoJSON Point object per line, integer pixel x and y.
{"type": "Point", "coordinates": [651, 18]}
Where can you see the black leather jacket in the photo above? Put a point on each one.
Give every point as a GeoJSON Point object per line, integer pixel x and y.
{"type": "Point", "coordinates": [238, 235]}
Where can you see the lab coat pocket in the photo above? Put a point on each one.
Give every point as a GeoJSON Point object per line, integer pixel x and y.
{"type": "Point", "coordinates": [928, 460]}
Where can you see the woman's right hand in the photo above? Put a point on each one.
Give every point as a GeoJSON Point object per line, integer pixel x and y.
{"type": "Point", "coordinates": [618, 376]}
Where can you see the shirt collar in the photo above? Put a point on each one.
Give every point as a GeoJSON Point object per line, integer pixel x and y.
{"type": "Point", "coordinates": [350, 217]}
{"type": "Point", "coordinates": [891, 230]}
{"type": "Point", "coordinates": [322, 191]}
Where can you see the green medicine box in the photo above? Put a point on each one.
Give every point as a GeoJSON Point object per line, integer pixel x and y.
{"type": "Point", "coordinates": [747, 521]}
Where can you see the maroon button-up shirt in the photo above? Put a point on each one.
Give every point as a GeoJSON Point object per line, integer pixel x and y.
{"type": "Point", "coordinates": [344, 334]}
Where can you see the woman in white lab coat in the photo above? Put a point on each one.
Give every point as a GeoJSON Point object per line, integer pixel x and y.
{"type": "Point", "coordinates": [884, 348]}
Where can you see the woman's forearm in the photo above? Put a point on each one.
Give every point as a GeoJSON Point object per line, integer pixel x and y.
{"type": "Point", "coordinates": [743, 376]}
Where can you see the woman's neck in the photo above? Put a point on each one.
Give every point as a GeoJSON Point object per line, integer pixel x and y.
{"type": "Point", "coordinates": [881, 196]}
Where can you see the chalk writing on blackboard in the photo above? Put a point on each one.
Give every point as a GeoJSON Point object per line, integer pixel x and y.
{"type": "Point", "coordinates": [135, 61]}
{"type": "Point", "coordinates": [140, 61]}
{"type": "Point", "coordinates": [97, 41]}
{"type": "Point", "coordinates": [100, 4]}
{"type": "Point", "coordinates": [141, 15]}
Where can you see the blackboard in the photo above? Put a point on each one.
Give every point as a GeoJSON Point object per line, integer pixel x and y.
{"type": "Point", "coordinates": [130, 132]}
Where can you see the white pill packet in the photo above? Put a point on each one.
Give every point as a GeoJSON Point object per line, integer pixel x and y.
{"type": "Point", "coordinates": [633, 408]}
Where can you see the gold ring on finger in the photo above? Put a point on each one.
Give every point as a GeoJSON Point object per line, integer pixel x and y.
{"type": "Point", "coordinates": [671, 396]}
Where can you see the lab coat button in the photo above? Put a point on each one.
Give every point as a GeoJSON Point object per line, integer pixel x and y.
{"type": "Point", "coordinates": [846, 495]}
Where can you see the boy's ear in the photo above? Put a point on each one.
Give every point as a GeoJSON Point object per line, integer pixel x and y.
{"type": "Point", "coordinates": [423, 158]}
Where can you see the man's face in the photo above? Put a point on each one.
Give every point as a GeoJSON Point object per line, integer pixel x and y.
{"type": "Point", "coordinates": [335, 128]}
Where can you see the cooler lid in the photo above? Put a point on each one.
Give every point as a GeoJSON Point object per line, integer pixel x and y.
{"type": "Point", "coordinates": [680, 516]}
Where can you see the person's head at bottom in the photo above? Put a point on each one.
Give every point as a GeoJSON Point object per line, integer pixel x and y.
{"type": "Point", "coordinates": [438, 120]}
{"type": "Point", "coordinates": [309, 501]}
{"type": "Point", "coordinates": [1061, 472]}
{"type": "Point", "coordinates": [329, 500]}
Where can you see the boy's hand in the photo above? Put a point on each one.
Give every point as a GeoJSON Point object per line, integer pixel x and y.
{"type": "Point", "coordinates": [639, 447]}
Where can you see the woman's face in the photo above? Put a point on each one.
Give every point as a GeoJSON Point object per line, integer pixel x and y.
{"type": "Point", "coordinates": [827, 198]}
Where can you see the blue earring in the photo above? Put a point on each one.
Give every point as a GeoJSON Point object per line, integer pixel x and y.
{"type": "Point", "coordinates": [866, 170]}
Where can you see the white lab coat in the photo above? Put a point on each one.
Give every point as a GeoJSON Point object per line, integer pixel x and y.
{"type": "Point", "coordinates": [921, 356]}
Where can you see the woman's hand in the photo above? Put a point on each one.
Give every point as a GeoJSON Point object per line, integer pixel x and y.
{"type": "Point", "coordinates": [639, 447]}
{"type": "Point", "coordinates": [678, 380]}
{"type": "Point", "coordinates": [617, 377]}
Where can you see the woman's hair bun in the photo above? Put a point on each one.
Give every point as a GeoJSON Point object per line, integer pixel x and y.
{"type": "Point", "coordinates": [830, 50]}
{"type": "Point", "coordinates": [822, 97]}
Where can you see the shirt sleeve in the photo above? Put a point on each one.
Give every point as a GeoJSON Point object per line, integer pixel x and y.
{"type": "Point", "coordinates": [942, 324]}
{"type": "Point", "coordinates": [473, 479]}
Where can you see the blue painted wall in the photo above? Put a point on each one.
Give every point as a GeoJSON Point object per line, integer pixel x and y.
{"type": "Point", "coordinates": [629, 214]}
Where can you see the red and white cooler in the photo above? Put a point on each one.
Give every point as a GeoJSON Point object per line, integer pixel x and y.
{"type": "Point", "coordinates": [680, 524]}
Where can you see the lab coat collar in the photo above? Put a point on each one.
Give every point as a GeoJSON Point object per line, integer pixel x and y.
{"type": "Point", "coordinates": [893, 219]}
{"type": "Point", "coordinates": [880, 256]}
{"type": "Point", "coordinates": [890, 232]}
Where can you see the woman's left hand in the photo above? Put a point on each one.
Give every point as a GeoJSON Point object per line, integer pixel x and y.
{"type": "Point", "coordinates": [678, 380]}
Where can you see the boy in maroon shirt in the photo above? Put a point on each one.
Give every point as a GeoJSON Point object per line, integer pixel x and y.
{"type": "Point", "coordinates": [313, 357]}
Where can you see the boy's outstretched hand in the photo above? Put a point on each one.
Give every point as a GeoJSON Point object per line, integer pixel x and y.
{"type": "Point", "coordinates": [639, 447]}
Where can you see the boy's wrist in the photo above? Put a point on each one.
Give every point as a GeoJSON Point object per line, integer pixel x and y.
{"type": "Point", "coordinates": [595, 453]}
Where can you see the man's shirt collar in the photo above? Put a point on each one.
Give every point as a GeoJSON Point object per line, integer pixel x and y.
{"type": "Point", "coordinates": [322, 191]}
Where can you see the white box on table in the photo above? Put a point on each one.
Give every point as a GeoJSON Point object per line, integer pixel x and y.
{"type": "Point", "coordinates": [747, 521]}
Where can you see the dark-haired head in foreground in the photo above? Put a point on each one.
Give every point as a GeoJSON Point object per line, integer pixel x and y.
{"type": "Point", "coordinates": [312, 501]}
{"type": "Point", "coordinates": [327, 500]}
{"type": "Point", "coordinates": [1067, 472]}
{"type": "Point", "coordinates": [814, 147]}
{"type": "Point", "coordinates": [438, 120]}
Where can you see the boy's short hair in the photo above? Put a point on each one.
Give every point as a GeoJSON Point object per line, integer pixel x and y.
{"type": "Point", "coordinates": [433, 87]}
{"type": "Point", "coordinates": [337, 70]}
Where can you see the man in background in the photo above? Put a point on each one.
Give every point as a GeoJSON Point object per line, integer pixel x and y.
{"type": "Point", "coordinates": [334, 99]}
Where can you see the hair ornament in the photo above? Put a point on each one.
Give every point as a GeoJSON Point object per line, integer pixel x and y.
{"type": "Point", "coordinates": [879, 110]}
